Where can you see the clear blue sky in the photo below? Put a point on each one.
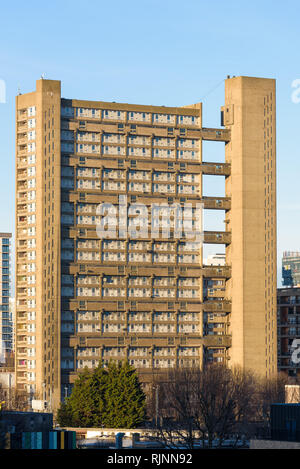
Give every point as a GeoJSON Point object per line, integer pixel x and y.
{"type": "Point", "coordinates": [155, 52]}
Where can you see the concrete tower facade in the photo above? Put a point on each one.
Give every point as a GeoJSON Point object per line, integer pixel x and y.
{"type": "Point", "coordinates": [250, 114]}
{"type": "Point", "coordinates": [84, 298]}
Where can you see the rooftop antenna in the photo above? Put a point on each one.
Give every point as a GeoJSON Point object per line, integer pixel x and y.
{"type": "Point", "coordinates": [19, 90]}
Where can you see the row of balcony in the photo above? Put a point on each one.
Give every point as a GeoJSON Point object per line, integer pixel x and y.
{"type": "Point", "coordinates": [210, 237]}
{"type": "Point", "coordinates": [145, 128]}
{"type": "Point", "coordinates": [205, 271]}
{"type": "Point", "coordinates": [212, 343]}
{"type": "Point", "coordinates": [206, 168]}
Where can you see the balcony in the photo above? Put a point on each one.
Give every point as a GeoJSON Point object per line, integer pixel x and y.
{"type": "Point", "coordinates": [22, 139]}
{"type": "Point", "coordinates": [22, 127]}
{"type": "Point", "coordinates": [22, 175]}
{"type": "Point", "coordinates": [21, 292]}
{"type": "Point", "coordinates": [216, 293]}
{"type": "Point", "coordinates": [22, 245]}
{"type": "Point", "coordinates": [216, 271]}
{"type": "Point", "coordinates": [22, 162]}
{"type": "Point", "coordinates": [218, 135]}
{"type": "Point", "coordinates": [215, 306]}
{"type": "Point", "coordinates": [217, 237]}
{"type": "Point", "coordinates": [22, 209]}
{"type": "Point", "coordinates": [22, 151]}
{"type": "Point", "coordinates": [22, 319]}
{"type": "Point", "coordinates": [217, 341]}
{"type": "Point", "coordinates": [21, 256]}
{"type": "Point", "coordinates": [221, 169]}
{"type": "Point", "coordinates": [22, 197]}
{"type": "Point", "coordinates": [21, 364]}
{"type": "Point", "coordinates": [217, 203]}
{"type": "Point", "coordinates": [22, 114]}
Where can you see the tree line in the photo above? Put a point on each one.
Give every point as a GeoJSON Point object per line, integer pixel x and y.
{"type": "Point", "coordinates": [184, 407]}
{"type": "Point", "coordinates": [214, 404]}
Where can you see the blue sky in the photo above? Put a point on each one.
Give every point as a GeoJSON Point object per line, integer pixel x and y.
{"type": "Point", "coordinates": [166, 52]}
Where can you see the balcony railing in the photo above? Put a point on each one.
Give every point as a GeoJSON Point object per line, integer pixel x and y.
{"type": "Point", "coordinates": [217, 237]}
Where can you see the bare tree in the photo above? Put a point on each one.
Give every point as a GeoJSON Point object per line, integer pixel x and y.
{"type": "Point", "coordinates": [176, 408]}
{"type": "Point", "coordinates": [204, 405]}
{"type": "Point", "coordinates": [13, 399]}
{"type": "Point", "coordinates": [270, 391]}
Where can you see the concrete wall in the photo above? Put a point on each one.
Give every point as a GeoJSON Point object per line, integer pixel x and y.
{"type": "Point", "coordinates": [270, 444]}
